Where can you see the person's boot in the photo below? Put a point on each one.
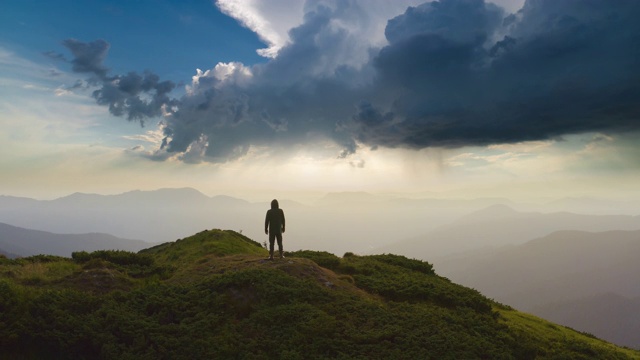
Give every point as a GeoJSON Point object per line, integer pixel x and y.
{"type": "Point", "coordinates": [271, 254]}
{"type": "Point", "coordinates": [281, 254]}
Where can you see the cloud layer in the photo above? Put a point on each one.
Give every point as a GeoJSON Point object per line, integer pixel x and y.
{"type": "Point", "coordinates": [449, 73]}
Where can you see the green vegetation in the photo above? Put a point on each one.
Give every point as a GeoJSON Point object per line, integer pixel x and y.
{"type": "Point", "coordinates": [214, 296]}
{"type": "Point", "coordinates": [205, 243]}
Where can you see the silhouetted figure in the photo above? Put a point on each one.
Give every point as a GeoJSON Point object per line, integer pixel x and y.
{"type": "Point", "coordinates": [274, 226]}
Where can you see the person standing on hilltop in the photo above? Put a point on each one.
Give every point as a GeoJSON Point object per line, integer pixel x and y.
{"type": "Point", "coordinates": [274, 226]}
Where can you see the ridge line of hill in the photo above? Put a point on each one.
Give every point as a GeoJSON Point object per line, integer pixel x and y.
{"type": "Point", "coordinates": [214, 295]}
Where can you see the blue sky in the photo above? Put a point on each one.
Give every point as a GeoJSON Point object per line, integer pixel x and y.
{"type": "Point", "coordinates": [466, 98]}
{"type": "Point", "coordinates": [166, 37]}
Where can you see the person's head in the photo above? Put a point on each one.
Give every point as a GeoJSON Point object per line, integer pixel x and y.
{"type": "Point", "coordinates": [274, 204]}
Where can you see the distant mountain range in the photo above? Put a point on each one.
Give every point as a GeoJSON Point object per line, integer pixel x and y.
{"type": "Point", "coordinates": [585, 280]}
{"type": "Point", "coordinates": [19, 242]}
{"type": "Point", "coordinates": [500, 225]}
{"type": "Point", "coordinates": [336, 223]}
{"type": "Point", "coordinates": [160, 215]}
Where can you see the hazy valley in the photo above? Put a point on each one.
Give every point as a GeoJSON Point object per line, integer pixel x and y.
{"type": "Point", "coordinates": [336, 223]}
{"type": "Point", "coordinates": [580, 279]}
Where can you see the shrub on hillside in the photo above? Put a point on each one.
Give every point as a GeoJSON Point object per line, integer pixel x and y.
{"type": "Point", "coordinates": [322, 258]}
{"type": "Point", "coordinates": [133, 264]}
{"type": "Point", "coordinates": [43, 259]}
{"type": "Point", "coordinates": [402, 261]}
{"type": "Point", "coordinates": [119, 257]}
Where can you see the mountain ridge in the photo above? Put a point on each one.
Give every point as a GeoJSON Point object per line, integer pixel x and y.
{"type": "Point", "coordinates": [18, 241]}
{"type": "Point", "coordinates": [500, 225]}
{"type": "Point", "coordinates": [370, 226]}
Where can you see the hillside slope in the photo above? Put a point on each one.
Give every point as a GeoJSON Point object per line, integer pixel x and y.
{"type": "Point", "coordinates": [609, 316]}
{"type": "Point", "coordinates": [214, 295]}
{"type": "Point", "coordinates": [564, 270]}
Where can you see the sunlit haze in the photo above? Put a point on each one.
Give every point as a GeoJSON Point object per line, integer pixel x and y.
{"type": "Point", "coordinates": [257, 102]}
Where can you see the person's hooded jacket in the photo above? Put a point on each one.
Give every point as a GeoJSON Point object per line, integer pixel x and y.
{"type": "Point", "coordinates": [274, 221]}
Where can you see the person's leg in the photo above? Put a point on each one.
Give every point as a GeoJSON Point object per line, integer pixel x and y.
{"type": "Point", "coordinates": [279, 237]}
{"type": "Point", "coordinates": [272, 239]}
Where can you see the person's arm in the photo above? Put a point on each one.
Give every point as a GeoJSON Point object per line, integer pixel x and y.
{"type": "Point", "coordinates": [266, 223]}
{"type": "Point", "coordinates": [282, 212]}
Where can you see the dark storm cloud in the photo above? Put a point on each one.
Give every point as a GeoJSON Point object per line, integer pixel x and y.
{"type": "Point", "coordinates": [463, 21]}
{"type": "Point", "coordinates": [561, 67]}
{"type": "Point", "coordinates": [88, 57]}
{"type": "Point", "coordinates": [134, 96]}
{"type": "Point", "coordinates": [455, 73]}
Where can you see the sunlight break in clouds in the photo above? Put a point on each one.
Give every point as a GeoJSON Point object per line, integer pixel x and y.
{"type": "Point", "coordinates": [270, 20]}
{"type": "Point", "coordinates": [273, 20]}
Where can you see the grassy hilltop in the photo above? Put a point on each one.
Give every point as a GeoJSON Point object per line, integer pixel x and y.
{"type": "Point", "coordinates": [214, 296]}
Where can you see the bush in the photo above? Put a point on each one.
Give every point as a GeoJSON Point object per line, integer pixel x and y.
{"type": "Point", "coordinates": [43, 258]}
{"type": "Point", "coordinates": [119, 257]}
{"type": "Point", "coordinates": [322, 258]}
{"type": "Point", "coordinates": [411, 264]}
{"type": "Point", "coordinates": [133, 264]}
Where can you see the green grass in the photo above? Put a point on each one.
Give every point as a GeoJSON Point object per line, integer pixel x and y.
{"type": "Point", "coordinates": [213, 295]}
{"type": "Point", "coordinates": [562, 340]}
{"type": "Point", "coordinates": [35, 270]}
{"type": "Point", "coordinates": [208, 242]}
